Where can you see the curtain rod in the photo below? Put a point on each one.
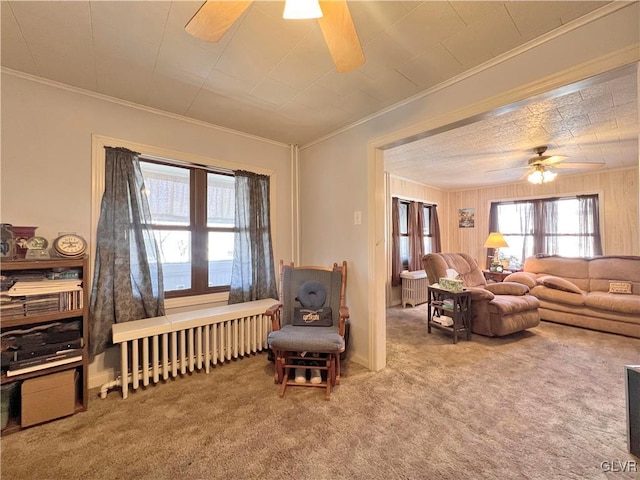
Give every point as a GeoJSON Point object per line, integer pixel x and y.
{"type": "Point", "coordinates": [172, 161]}
{"type": "Point", "coordinates": [414, 200]}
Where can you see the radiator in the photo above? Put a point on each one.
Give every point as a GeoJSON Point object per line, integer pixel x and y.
{"type": "Point", "coordinates": [159, 348]}
{"type": "Point", "coordinates": [414, 287]}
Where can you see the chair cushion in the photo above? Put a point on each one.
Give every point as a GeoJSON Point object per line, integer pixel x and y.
{"type": "Point", "coordinates": [304, 339]}
{"type": "Point", "coordinates": [509, 304]}
{"type": "Point", "coordinates": [614, 303]}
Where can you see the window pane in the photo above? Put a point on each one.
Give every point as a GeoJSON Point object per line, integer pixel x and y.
{"type": "Point", "coordinates": [175, 247]}
{"type": "Point", "coordinates": [427, 221]}
{"type": "Point", "coordinates": [568, 216]}
{"type": "Point", "coordinates": [167, 189]}
{"type": "Point", "coordinates": [403, 211]}
{"type": "Point", "coordinates": [404, 250]}
{"type": "Point", "coordinates": [220, 200]}
{"type": "Point", "coordinates": [220, 258]}
{"type": "Point", "coordinates": [519, 248]}
{"type": "Point", "coordinates": [427, 245]}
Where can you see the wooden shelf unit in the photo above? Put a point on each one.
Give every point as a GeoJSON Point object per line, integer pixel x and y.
{"type": "Point", "coordinates": [81, 366]}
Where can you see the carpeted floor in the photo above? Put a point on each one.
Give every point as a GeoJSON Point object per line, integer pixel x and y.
{"type": "Point", "coordinates": [543, 404]}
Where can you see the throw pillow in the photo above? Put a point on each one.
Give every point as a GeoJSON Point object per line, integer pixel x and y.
{"type": "Point", "coordinates": [312, 318]}
{"type": "Point", "coordinates": [312, 295]}
{"type": "Point", "coordinates": [557, 283]}
{"type": "Point", "coordinates": [619, 287]}
{"type": "Point", "coordinates": [526, 278]}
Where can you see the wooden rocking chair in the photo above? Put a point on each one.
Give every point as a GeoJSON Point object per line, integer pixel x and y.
{"type": "Point", "coordinates": [309, 296]}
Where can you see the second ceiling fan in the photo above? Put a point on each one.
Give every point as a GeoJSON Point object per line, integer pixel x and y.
{"type": "Point", "coordinates": [212, 21]}
{"type": "Point", "coordinates": [538, 167]}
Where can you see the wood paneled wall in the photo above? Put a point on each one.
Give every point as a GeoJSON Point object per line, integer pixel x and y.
{"type": "Point", "coordinates": [619, 210]}
{"type": "Point", "coordinates": [399, 187]}
{"type": "Point", "coordinates": [619, 214]}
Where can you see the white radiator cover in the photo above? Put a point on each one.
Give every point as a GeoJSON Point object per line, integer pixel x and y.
{"type": "Point", "coordinates": [414, 287]}
{"type": "Point", "coordinates": [178, 343]}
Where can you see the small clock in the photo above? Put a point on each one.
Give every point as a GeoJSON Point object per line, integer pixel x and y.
{"type": "Point", "coordinates": [499, 268]}
{"type": "Point", "coordinates": [70, 245]}
{"type": "Point", "coordinates": [37, 248]}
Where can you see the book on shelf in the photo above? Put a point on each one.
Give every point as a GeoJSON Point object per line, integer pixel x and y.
{"type": "Point", "coordinates": [25, 305]}
{"type": "Point", "coordinates": [40, 363]}
{"type": "Point", "coordinates": [41, 287]}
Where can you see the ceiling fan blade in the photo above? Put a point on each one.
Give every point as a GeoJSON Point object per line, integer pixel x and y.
{"type": "Point", "coordinates": [214, 18]}
{"type": "Point", "coordinates": [341, 36]}
{"type": "Point", "coordinates": [552, 160]}
{"type": "Point", "coordinates": [525, 175]}
{"type": "Point", "coordinates": [507, 168]}
{"type": "Point", "coordinates": [587, 165]}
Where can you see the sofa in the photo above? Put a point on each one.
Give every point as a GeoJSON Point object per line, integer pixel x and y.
{"type": "Point", "coordinates": [497, 309]}
{"type": "Point", "coordinates": [600, 293]}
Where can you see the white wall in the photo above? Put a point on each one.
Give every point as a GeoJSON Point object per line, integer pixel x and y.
{"type": "Point", "coordinates": [348, 165]}
{"type": "Point", "coordinates": [46, 177]}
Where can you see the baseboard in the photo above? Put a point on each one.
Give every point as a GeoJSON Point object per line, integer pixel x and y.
{"type": "Point", "coordinates": [359, 360]}
{"type": "Point", "coordinates": [100, 378]}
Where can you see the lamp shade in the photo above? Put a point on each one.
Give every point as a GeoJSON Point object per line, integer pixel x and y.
{"type": "Point", "coordinates": [495, 240]}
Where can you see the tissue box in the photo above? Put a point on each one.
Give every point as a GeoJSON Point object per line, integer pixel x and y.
{"type": "Point", "coordinates": [451, 285]}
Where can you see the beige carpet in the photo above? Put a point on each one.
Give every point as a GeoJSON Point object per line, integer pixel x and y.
{"type": "Point", "coordinates": [544, 404]}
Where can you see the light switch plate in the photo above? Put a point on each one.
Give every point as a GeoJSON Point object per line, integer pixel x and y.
{"type": "Point", "coordinates": [357, 217]}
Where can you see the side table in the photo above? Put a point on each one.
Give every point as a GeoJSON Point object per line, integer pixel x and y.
{"type": "Point", "coordinates": [456, 305]}
{"type": "Point", "coordinates": [495, 276]}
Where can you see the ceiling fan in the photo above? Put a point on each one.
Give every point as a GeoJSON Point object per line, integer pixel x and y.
{"type": "Point", "coordinates": [215, 17]}
{"type": "Point", "coordinates": [538, 168]}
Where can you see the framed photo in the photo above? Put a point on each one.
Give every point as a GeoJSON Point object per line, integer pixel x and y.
{"type": "Point", "coordinates": [466, 218]}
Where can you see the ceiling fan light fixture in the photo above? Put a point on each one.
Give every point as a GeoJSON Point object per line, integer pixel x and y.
{"type": "Point", "coordinates": [535, 177]}
{"type": "Point", "coordinates": [548, 176]}
{"type": "Point", "coordinates": [541, 175]}
{"type": "Point", "coordinates": [301, 9]}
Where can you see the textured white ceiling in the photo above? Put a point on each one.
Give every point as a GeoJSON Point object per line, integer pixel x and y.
{"type": "Point", "coordinates": [594, 121]}
{"type": "Point", "coordinates": [274, 78]}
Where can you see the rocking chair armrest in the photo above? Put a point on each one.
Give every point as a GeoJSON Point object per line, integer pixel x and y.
{"type": "Point", "coordinates": [274, 313]}
{"type": "Point", "coordinates": [344, 315]}
{"type": "Point", "coordinates": [271, 311]}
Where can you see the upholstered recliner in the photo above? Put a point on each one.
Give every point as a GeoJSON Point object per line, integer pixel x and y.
{"type": "Point", "coordinates": [497, 309]}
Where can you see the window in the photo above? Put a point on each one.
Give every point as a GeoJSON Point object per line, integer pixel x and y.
{"type": "Point", "coordinates": [566, 226]}
{"type": "Point", "coordinates": [403, 209]}
{"type": "Point", "coordinates": [427, 233]}
{"type": "Point", "coordinates": [193, 216]}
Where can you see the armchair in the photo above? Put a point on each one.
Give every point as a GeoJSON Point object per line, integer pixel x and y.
{"type": "Point", "coordinates": [309, 296]}
{"type": "Point", "coordinates": [497, 309]}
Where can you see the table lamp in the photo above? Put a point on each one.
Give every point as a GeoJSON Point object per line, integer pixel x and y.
{"type": "Point", "coordinates": [495, 240]}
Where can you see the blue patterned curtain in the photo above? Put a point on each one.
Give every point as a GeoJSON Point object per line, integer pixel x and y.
{"type": "Point", "coordinates": [252, 273]}
{"type": "Point", "coordinates": [127, 283]}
